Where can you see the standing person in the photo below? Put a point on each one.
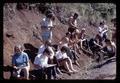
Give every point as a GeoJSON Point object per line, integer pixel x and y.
{"type": "Point", "coordinates": [20, 61]}
{"type": "Point", "coordinates": [42, 66]}
{"type": "Point", "coordinates": [47, 25]}
{"type": "Point", "coordinates": [72, 22]}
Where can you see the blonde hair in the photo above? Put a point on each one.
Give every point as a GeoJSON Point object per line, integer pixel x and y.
{"type": "Point", "coordinates": [18, 46]}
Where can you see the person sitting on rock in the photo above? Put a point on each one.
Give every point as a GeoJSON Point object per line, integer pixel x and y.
{"type": "Point", "coordinates": [102, 29]}
{"type": "Point", "coordinates": [82, 42]}
{"type": "Point", "coordinates": [45, 45]}
{"type": "Point", "coordinates": [42, 66]}
{"type": "Point", "coordinates": [64, 60]}
{"type": "Point", "coordinates": [109, 48]}
{"type": "Point", "coordinates": [65, 42]}
{"type": "Point", "coordinates": [95, 47]}
{"type": "Point", "coordinates": [20, 61]}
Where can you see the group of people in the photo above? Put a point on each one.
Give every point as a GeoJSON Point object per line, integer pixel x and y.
{"type": "Point", "coordinates": [52, 57]}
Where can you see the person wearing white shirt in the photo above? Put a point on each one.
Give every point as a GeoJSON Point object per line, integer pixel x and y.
{"type": "Point", "coordinates": [46, 26]}
{"type": "Point", "coordinates": [103, 29]}
{"type": "Point", "coordinates": [41, 65]}
{"type": "Point", "coordinates": [64, 60]}
{"type": "Point", "coordinates": [47, 44]}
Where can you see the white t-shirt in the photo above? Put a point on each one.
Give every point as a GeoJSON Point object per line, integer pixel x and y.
{"type": "Point", "coordinates": [41, 60]}
{"type": "Point", "coordinates": [42, 48]}
{"type": "Point", "coordinates": [113, 43]}
{"type": "Point", "coordinates": [47, 22]}
{"type": "Point", "coordinates": [52, 54]}
{"type": "Point", "coordinates": [60, 55]}
{"type": "Point", "coordinates": [103, 30]}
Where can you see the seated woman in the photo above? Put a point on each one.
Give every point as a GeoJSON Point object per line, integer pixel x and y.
{"type": "Point", "coordinates": [64, 60]}
{"type": "Point", "coordinates": [20, 61]}
{"type": "Point", "coordinates": [109, 48]}
{"type": "Point", "coordinates": [42, 66]}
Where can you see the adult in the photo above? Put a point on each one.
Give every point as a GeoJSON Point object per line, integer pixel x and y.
{"type": "Point", "coordinates": [103, 29]}
{"type": "Point", "coordinates": [42, 66]}
{"type": "Point", "coordinates": [64, 60]}
{"type": "Point", "coordinates": [109, 48]}
{"type": "Point", "coordinates": [72, 22]}
{"type": "Point", "coordinates": [67, 42]}
{"type": "Point", "coordinates": [81, 40]}
{"type": "Point", "coordinates": [95, 47]}
{"type": "Point", "coordinates": [48, 45]}
{"type": "Point", "coordinates": [47, 25]}
{"type": "Point", "coordinates": [20, 61]}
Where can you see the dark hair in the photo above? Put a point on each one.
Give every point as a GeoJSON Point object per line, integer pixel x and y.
{"type": "Point", "coordinates": [48, 43]}
{"type": "Point", "coordinates": [102, 22]}
{"type": "Point", "coordinates": [97, 36]}
{"type": "Point", "coordinates": [50, 15]}
{"type": "Point", "coordinates": [55, 46]}
{"type": "Point", "coordinates": [75, 14]}
{"type": "Point", "coordinates": [48, 12]}
{"type": "Point", "coordinates": [67, 33]}
{"type": "Point", "coordinates": [46, 51]}
{"type": "Point", "coordinates": [63, 49]}
{"type": "Point", "coordinates": [107, 40]}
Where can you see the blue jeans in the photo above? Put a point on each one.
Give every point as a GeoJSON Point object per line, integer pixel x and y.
{"type": "Point", "coordinates": [47, 36]}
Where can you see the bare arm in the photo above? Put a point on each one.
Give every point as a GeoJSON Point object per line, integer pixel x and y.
{"type": "Point", "coordinates": [70, 23]}
{"type": "Point", "coordinates": [98, 44]}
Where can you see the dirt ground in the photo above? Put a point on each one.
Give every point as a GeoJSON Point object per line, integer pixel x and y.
{"type": "Point", "coordinates": [19, 29]}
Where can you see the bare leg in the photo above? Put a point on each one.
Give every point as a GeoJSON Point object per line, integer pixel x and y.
{"type": "Point", "coordinates": [70, 64]}
{"type": "Point", "coordinates": [65, 64]}
{"type": "Point", "coordinates": [26, 72]}
{"type": "Point", "coordinates": [77, 63]}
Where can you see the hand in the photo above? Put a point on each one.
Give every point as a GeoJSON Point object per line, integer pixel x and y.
{"type": "Point", "coordinates": [60, 43]}
{"type": "Point", "coordinates": [15, 67]}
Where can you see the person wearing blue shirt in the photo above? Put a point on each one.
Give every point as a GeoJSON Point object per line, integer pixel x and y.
{"type": "Point", "coordinates": [20, 61]}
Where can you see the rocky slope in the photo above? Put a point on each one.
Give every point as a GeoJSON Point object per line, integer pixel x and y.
{"type": "Point", "coordinates": [19, 28]}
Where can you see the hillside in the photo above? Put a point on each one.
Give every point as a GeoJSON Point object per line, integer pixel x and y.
{"type": "Point", "coordinates": [19, 28]}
